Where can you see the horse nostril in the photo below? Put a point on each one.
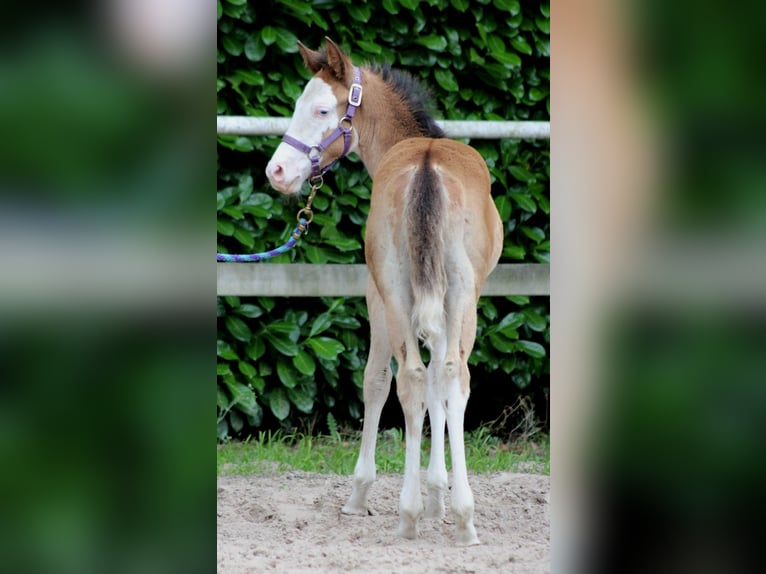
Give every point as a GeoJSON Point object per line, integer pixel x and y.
{"type": "Point", "coordinates": [276, 173]}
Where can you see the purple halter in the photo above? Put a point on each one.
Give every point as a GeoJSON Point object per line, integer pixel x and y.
{"type": "Point", "coordinates": [344, 129]}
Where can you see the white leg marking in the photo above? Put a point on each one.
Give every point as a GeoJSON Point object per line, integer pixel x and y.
{"type": "Point", "coordinates": [437, 415]}
{"type": "Point", "coordinates": [377, 383]}
{"type": "Point", "coordinates": [462, 497]}
{"type": "Point", "coordinates": [411, 387]}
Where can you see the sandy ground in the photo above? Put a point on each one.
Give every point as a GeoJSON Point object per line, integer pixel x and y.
{"type": "Point", "coordinates": [291, 522]}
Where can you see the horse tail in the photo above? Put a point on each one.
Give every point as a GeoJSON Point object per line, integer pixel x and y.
{"type": "Point", "coordinates": [426, 207]}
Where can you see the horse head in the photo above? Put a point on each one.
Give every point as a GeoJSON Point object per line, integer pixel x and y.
{"type": "Point", "coordinates": [320, 131]}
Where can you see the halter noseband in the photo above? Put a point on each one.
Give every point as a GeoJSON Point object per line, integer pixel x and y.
{"type": "Point", "coordinates": [344, 129]}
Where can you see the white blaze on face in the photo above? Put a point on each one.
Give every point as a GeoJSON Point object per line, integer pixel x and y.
{"type": "Point", "coordinates": [316, 112]}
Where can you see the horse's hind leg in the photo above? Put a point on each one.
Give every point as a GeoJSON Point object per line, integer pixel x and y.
{"type": "Point", "coordinates": [462, 333]}
{"type": "Point", "coordinates": [437, 416]}
{"type": "Point", "coordinates": [377, 383]}
{"type": "Point", "coordinates": [411, 390]}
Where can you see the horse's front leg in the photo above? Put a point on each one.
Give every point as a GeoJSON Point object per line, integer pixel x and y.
{"type": "Point", "coordinates": [377, 383]}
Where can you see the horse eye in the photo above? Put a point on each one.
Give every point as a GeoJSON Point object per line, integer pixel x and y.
{"type": "Point", "coordinates": [323, 112]}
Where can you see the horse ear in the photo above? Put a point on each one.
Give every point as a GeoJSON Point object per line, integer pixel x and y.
{"type": "Point", "coordinates": [310, 58]}
{"type": "Point", "coordinates": [337, 61]}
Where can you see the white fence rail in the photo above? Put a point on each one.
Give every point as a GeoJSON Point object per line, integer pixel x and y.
{"type": "Point", "coordinates": [314, 280]}
{"type": "Point", "coordinates": [246, 125]}
{"type": "Point", "coordinates": [350, 280]}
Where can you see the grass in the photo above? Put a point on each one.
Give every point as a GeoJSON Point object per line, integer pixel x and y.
{"type": "Point", "coordinates": [336, 453]}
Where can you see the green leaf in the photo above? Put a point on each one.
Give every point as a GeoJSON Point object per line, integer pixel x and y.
{"type": "Point", "coordinates": [488, 309]}
{"type": "Point", "coordinates": [260, 205]}
{"type": "Point", "coordinates": [326, 348]}
{"type": "Point", "coordinates": [536, 94]}
{"type": "Point", "coordinates": [520, 300]}
{"type": "Point", "coordinates": [286, 373]}
{"type": "Point", "coordinates": [296, 5]}
{"type": "Point", "coordinates": [345, 244]}
{"type": "Point", "coordinates": [543, 24]}
{"type": "Point", "coordinates": [520, 44]}
{"type": "Point", "coordinates": [255, 48]}
{"type": "Point", "coordinates": [501, 343]}
{"type": "Point", "coordinates": [521, 174]}
{"type": "Point", "coordinates": [225, 227]}
{"type": "Point", "coordinates": [510, 323]}
{"type": "Point", "coordinates": [236, 420]}
{"type": "Point", "coordinates": [237, 143]}
{"type": "Point", "coordinates": [232, 45]}
{"type": "Point", "coordinates": [511, 6]}
{"type": "Point", "coordinates": [321, 323]}
{"type": "Point", "coordinates": [222, 400]}
{"type": "Point", "coordinates": [290, 328]}
{"type": "Point", "coordinates": [243, 397]}
{"type": "Point", "coordinates": [304, 363]}
{"type": "Point", "coordinates": [507, 58]}
{"type": "Point", "coordinates": [535, 321]}
{"type": "Point", "coordinates": [256, 349]}
{"type": "Point", "coordinates": [282, 344]}
{"type": "Point", "coordinates": [346, 321]}
{"type": "Point", "coordinates": [302, 400]}
{"type": "Point", "coordinates": [534, 233]}
{"type": "Point", "coordinates": [446, 80]}
{"type": "Point", "coordinates": [249, 310]}
{"type": "Point", "coordinates": [524, 202]}
{"type": "Point", "coordinates": [460, 5]}
{"type": "Point", "coordinates": [503, 205]}
{"type": "Point", "coordinates": [278, 403]}
{"type": "Point", "coordinates": [514, 252]}
{"type": "Point", "coordinates": [522, 379]}
{"type": "Point", "coordinates": [391, 6]}
{"type": "Point", "coordinates": [433, 42]}
{"type": "Point", "coordinates": [247, 369]}
{"type": "Point", "coordinates": [370, 47]}
{"type": "Point", "coordinates": [244, 236]}
{"type": "Point", "coordinates": [359, 12]}
{"type": "Point", "coordinates": [225, 351]}
{"type": "Point", "coordinates": [268, 35]}
{"type": "Point", "coordinates": [238, 328]}
{"type": "Point", "coordinates": [287, 41]}
{"type": "Point", "coordinates": [532, 349]}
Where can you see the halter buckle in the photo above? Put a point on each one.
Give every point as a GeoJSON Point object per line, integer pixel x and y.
{"type": "Point", "coordinates": [355, 94]}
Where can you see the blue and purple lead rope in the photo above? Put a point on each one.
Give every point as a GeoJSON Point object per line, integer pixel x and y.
{"type": "Point", "coordinates": [294, 236]}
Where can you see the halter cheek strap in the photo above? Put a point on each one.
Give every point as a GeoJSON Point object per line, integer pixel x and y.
{"type": "Point", "coordinates": [344, 129]}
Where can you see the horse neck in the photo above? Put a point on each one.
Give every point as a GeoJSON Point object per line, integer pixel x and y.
{"type": "Point", "coordinates": [383, 121]}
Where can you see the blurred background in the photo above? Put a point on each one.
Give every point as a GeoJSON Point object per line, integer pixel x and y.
{"type": "Point", "coordinates": [659, 276]}
{"type": "Point", "coordinates": [107, 288]}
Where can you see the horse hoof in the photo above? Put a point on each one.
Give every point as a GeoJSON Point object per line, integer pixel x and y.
{"type": "Point", "coordinates": [467, 537]}
{"type": "Point", "coordinates": [355, 511]}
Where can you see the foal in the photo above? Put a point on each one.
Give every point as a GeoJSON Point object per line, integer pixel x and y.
{"type": "Point", "coordinates": [433, 236]}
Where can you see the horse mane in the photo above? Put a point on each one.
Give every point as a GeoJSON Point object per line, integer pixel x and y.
{"type": "Point", "coordinates": [415, 95]}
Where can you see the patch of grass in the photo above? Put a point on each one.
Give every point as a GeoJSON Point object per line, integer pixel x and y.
{"type": "Point", "coordinates": [278, 452]}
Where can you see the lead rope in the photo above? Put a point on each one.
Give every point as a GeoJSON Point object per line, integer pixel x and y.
{"type": "Point", "coordinates": [305, 217]}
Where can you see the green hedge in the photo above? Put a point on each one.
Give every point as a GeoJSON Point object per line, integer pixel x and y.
{"type": "Point", "coordinates": [280, 359]}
